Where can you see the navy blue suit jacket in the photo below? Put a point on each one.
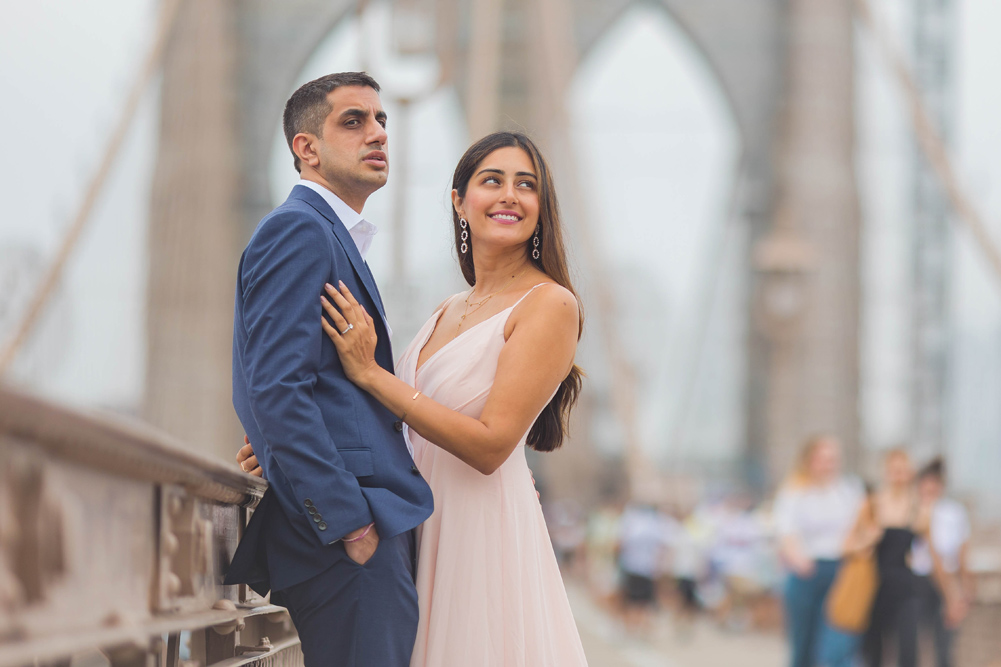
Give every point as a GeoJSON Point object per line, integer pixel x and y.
{"type": "Point", "coordinates": [334, 457]}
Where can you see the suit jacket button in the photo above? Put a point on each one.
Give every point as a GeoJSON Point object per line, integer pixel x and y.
{"type": "Point", "coordinates": [398, 426]}
{"type": "Point", "coordinates": [317, 519]}
{"type": "Point", "coordinates": [414, 470]}
{"type": "Point", "coordinates": [322, 526]}
{"type": "Point", "coordinates": [311, 510]}
{"type": "Point", "coordinates": [308, 502]}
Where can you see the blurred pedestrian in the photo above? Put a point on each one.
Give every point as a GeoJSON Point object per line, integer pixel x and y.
{"type": "Point", "coordinates": [567, 531]}
{"type": "Point", "coordinates": [944, 584]}
{"type": "Point", "coordinates": [688, 564]}
{"type": "Point", "coordinates": [815, 511]}
{"type": "Point", "coordinates": [740, 542]}
{"type": "Point", "coordinates": [644, 537]}
{"type": "Point", "coordinates": [602, 543]}
{"type": "Point", "coordinates": [901, 516]}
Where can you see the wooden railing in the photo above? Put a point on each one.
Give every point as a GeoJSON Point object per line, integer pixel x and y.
{"type": "Point", "coordinates": [113, 544]}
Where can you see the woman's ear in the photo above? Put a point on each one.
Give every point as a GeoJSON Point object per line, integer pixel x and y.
{"type": "Point", "coordinates": [457, 203]}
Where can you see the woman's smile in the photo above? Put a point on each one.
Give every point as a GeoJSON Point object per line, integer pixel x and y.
{"type": "Point", "coordinates": [505, 217]}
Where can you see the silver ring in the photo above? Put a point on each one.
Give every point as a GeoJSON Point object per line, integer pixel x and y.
{"type": "Point", "coordinates": [350, 327]}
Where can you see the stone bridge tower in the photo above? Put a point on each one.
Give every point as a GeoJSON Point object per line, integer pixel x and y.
{"type": "Point", "coordinates": [785, 67]}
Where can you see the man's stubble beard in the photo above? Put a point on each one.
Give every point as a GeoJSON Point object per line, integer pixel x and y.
{"type": "Point", "coordinates": [357, 180]}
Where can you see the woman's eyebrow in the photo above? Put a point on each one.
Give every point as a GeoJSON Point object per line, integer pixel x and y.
{"type": "Point", "coordinates": [501, 172]}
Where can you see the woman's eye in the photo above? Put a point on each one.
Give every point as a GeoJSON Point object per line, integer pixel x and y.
{"type": "Point", "coordinates": [528, 184]}
{"type": "Point", "coordinates": [491, 179]}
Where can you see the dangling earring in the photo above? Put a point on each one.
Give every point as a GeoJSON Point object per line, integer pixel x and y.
{"type": "Point", "coordinates": [535, 242]}
{"type": "Point", "coordinates": [464, 248]}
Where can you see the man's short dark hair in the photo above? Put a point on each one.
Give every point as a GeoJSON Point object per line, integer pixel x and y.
{"type": "Point", "coordinates": [308, 107]}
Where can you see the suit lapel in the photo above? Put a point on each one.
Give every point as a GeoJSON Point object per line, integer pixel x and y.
{"type": "Point", "coordinates": [376, 295]}
{"type": "Point", "coordinates": [347, 243]}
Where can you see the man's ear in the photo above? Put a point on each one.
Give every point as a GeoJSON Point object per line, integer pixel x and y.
{"type": "Point", "coordinates": [303, 145]}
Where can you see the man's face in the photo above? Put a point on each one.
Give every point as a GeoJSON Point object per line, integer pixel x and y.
{"type": "Point", "coordinates": [352, 150]}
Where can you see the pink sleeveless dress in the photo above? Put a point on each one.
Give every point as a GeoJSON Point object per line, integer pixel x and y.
{"type": "Point", "coordinates": [488, 586]}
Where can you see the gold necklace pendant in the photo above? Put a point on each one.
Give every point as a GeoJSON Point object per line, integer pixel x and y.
{"type": "Point", "coordinates": [476, 305]}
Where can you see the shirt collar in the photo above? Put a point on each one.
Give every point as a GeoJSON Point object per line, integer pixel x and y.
{"type": "Point", "coordinates": [348, 216]}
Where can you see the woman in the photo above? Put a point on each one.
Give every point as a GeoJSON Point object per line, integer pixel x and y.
{"type": "Point", "coordinates": [944, 584]}
{"type": "Point", "coordinates": [814, 513]}
{"type": "Point", "coordinates": [900, 517]}
{"type": "Point", "coordinates": [491, 371]}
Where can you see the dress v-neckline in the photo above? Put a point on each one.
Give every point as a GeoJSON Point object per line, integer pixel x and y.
{"type": "Point", "coordinates": [418, 367]}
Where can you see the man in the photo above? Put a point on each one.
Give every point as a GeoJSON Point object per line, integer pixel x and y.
{"type": "Point", "coordinates": [333, 536]}
{"type": "Point", "coordinates": [644, 540]}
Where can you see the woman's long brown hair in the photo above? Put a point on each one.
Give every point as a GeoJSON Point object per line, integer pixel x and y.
{"type": "Point", "coordinates": [551, 427]}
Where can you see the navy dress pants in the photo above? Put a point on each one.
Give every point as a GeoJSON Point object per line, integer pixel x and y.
{"type": "Point", "coordinates": [354, 615]}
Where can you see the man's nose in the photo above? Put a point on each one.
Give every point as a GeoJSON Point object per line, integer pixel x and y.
{"type": "Point", "coordinates": [377, 133]}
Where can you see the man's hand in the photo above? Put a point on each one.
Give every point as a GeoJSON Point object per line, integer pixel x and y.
{"type": "Point", "coordinates": [362, 550]}
{"type": "Point", "coordinates": [247, 460]}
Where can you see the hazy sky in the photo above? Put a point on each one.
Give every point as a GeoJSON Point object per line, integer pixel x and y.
{"type": "Point", "coordinates": [65, 68]}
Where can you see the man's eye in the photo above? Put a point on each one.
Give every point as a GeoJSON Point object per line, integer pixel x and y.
{"type": "Point", "coordinates": [352, 123]}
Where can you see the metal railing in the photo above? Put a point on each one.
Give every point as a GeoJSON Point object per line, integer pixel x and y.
{"type": "Point", "coordinates": [113, 543]}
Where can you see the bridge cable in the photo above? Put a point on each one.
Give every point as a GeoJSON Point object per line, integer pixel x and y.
{"type": "Point", "coordinates": [50, 280]}
{"type": "Point", "coordinates": [929, 139]}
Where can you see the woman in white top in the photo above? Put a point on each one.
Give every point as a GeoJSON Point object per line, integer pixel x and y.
{"type": "Point", "coordinates": [815, 511]}
{"type": "Point", "coordinates": [944, 585]}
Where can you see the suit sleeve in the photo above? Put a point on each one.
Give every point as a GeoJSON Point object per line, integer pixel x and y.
{"type": "Point", "coordinates": [284, 269]}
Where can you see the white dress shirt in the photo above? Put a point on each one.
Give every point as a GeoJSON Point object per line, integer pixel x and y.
{"type": "Point", "coordinates": [361, 230]}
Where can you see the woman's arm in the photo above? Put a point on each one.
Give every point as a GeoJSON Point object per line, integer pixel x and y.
{"type": "Point", "coordinates": [791, 549]}
{"type": "Point", "coordinates": [954, 603]}
{"type": "Point", "coordinates": [865, 533]}
{"type": "Point", "coordinates": [536, 358]}
{"type": "Point", "coordinates": [792, 553]}
{"type": "Point", "coordinates": [966, 579]}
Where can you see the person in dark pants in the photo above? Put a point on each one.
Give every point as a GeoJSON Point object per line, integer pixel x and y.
{"type": "Point", "coordinates": [644, 537]}
{"type": "Point", "coordinates": [814, 512]}
{"type": "Point", "coordinates": [902, 517]}
{"type": "Point", "coordinates": [944, 584]}
{"type": "Point", "coordinates": [333, 536]}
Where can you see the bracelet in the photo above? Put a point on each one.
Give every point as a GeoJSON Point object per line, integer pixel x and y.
{"type": "Point", "coordinates": [363, 534]}
{"type": "Point", "coordinates": [403, 417]}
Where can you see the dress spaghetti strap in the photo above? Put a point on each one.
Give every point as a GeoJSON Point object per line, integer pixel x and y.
{"type": "Point", "coordinates": [526, 294]}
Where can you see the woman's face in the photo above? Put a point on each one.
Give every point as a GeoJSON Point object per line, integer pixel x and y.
{"type": "Point", "coordinates": [898, 470]}
{"type": "Point", "coordinates": [825, 461]}
{"type": "Point", "coordinates": [930, 488]}
{"type": "Point", "coordinates": [502, 199]}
